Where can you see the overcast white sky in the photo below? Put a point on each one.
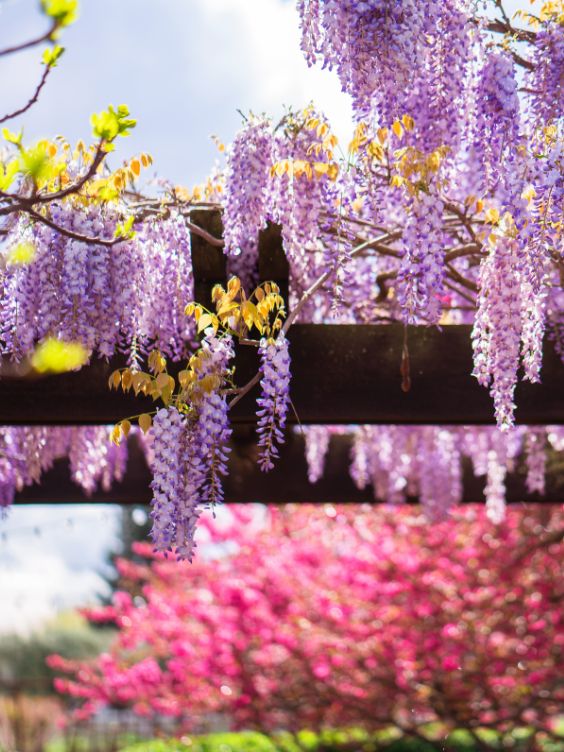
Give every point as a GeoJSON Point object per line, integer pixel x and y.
{"type": "Point", "coordinates": [184, 67]}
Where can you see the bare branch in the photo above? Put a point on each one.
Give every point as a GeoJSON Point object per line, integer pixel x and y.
{"type": "Point", "coordinates": [33, 99]}
{"type": "Point", "coordinates": [46, 37]}
{"type": "Point", "coordinates": [69, 233]}
{"type": "Point", "coordinates": [211, 239]}
{"type": "Point", "coordinates": [457, 277]}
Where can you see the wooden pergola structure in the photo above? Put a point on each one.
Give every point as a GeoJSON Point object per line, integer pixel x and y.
{"type": "Point", "coordinates": [342, 375]}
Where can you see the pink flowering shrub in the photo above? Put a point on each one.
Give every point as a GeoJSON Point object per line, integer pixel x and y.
{"type": "Point", "coordinates": [324, 616]}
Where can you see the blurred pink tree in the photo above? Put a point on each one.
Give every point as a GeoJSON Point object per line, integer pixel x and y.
{"type": "Point", "coordinates": [319, 617]}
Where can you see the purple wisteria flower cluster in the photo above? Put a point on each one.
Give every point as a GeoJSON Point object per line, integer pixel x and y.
{"type": "Point", "coordinates": [545, 81]}
{"type": "Point", "coordinates": [496, 123]}
{"type": "Point", "coordinates": [426, 462]}
{"type": "Point", "coordinates": [536, 460]}
{"type": "Point", "coordinates": [395, 57]}
{"type": "Point", "coordinates": [168, 505]}
{"type": "Point", "coordinates": [496, 335]}
{"type": "Point", "coordinates": [27, 452]}
{"type": "Point", "coordinates": [421, 273]}
{"type": "Point", "coordinates": [189, 452]}
{"type": "Point", "coordinates": [274, 400]}
{"type": "Point", "coordinates": [130, 295]}
{"type": "Point", "coordinates": [247, 201]}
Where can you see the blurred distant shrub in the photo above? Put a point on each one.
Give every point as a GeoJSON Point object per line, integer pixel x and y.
{"type": "Point", "coordinates": [23, 665]}
{"type": "Point", "coordinates": [26, 723]}
{"type": "Point", "coordinates": [332, 740]}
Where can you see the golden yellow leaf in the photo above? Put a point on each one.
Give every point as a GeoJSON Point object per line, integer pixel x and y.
{"type": "Point", "coordinates": [138, 379]}
{"type": "Point", "coordinates": [145, 421]}
{"type": "Point", "coordinates": [217, 292]}
{"type": "Point", "coordinates": [204, 321]}
{"type": "Point", "coordinates": [115, 380]}
{"type": "Point", "coordinates": [185, 377]}
{"type": "Point", "coordinates": [333, 171]}
{"type": "Point", "coordinates": [397, 129]}
{"type": "Point", "coordinates": [492, 216]}
{"type": "Point", "coordinates": [233, 286]}
{"type": "Point", "coordinates": [127, 379]}
{"type": "Point", "coordinates": [408, 122]}
{"type": "Point", "coordinates": [116, 434]}
{"type": "Point", "coordinates": [162, 380]}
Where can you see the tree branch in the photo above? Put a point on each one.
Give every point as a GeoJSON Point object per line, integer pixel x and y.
{"type": "Point", "coordinates": [33, 99]}
{"type": "Point", "coordinates": [69, 233]}
{"type": "Point", "coordinates": [46, 37]}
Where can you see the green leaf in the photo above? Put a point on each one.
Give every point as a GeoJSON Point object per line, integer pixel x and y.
{"type": "Point", "coordinates": [13, 138]}
{"type": "Point", "coordinates": [21, 254]}
{"type": "Point", "coordinates": [64, 12]}
{"type": "Point", "coordinates": [111, 123]}
{"type": "Point", "coordinates": [8, 173]}
{"type": "Point", "coordinates": [37, 163]}
{"type": "Point", "coordinates": [56, 356]}
{"type": "Point", "coordinates": [51, 56]}
{"type": "Point", "coordinates": [123, 230]}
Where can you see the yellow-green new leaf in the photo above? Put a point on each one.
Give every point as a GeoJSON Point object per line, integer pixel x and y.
{"type": "Point", "coordinates": [51, 56]}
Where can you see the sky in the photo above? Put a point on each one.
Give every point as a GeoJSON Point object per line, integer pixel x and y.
{"type": "Point", "coordinates": [184, 68]}
{"type": "Point", "coordinates": [52, 558]}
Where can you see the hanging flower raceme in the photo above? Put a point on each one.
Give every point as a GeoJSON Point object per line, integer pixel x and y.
{"type": "Point", "coordinates": [169, 428]}
{"type": "Point", "coordinates": [536, 460]}
{"type": "Point", "coordinates": [496, 124]}
{"type": "Point", "coordinates": [545, 83]}
{"type": "Point", "coordinates": [441, 87]}
{"type": "Point", "coordinates": [427, 462]}
{"type": "Point", "coordinates": [94, 460]}
{"type": "Point", "coordinates": [496, 336]}
{"type": "Point", "coordinates": [274, 400]}
{"type": "Point", "coordinates": [316, 447]}
{"type": "Point", "coordinates": [372, 45]}
{"type": "Point", "coordinates": [304, 187]}
{"type": "Point", "coordinates": [27, 452]}
{"type": "Point", "coordinates": [213, 430]}
{"type": "Point", "coordinates": [394, 57]}
{"type": "Point", "coordinates": [422, 269]}
{"type": "Point", "coordinates": [189, 450]}
{"type": "Point", "coordinates": [247, 196]}
{"type": "Point", "coordinates": [109, 299]}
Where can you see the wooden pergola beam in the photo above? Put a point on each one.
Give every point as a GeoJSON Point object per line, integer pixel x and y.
{"type": "Point", "coordinates": [286, 483]}
{"type": "Point", "coordinates": [341, 375]}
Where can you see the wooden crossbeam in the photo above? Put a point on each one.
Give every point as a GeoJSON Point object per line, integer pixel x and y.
{"type": "Point", "coordinates": [286, 483]}
{"type": "Point", "coordinates": [341, 375]}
